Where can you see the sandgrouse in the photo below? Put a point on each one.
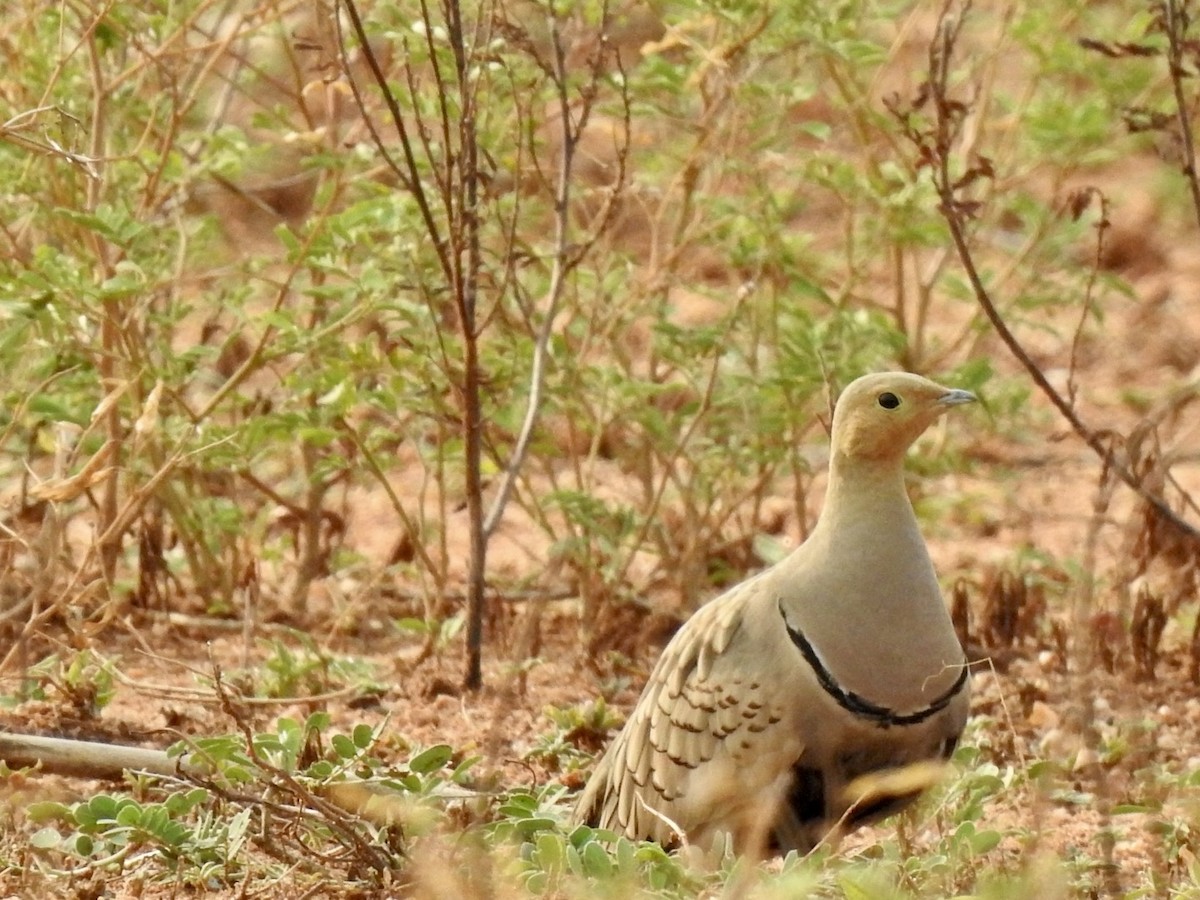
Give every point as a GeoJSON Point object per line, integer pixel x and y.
{"type": "Point", "coordinates": [836, 664]}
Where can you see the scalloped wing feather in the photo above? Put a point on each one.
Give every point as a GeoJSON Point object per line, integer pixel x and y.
{"type": "Point", "coordinates": [698, 748]}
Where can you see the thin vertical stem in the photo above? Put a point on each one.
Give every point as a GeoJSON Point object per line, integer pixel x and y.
{"type": "Point", "coordinates": [465, 234]}
{"type": "Point", "coordinates": [1177, 23]}
{"type": "Point", "coordinates": [109, 319]}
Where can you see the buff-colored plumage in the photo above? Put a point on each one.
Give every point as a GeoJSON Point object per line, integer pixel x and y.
{"type": "Point", "coordinates": [836, 664]}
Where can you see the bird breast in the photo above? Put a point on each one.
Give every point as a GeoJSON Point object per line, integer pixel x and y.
{"type": "Point", "coordinates": [875, 621]}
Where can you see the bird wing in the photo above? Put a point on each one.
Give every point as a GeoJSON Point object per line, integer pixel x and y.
{"type": "Point", "coordinates": [700, 744]}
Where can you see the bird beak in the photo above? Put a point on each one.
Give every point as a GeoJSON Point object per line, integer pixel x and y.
{"type": "Point", "coordinates": [956, 397]}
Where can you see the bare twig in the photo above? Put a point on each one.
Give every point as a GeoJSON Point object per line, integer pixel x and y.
{"type": "Point", "coordinates": [109, 354]}
{"type": "Point", "coordinates": [1102, 226]}
{"type": "Point", "coordinates": [13, 130]}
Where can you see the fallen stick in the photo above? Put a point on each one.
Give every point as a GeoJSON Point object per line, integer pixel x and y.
{"type": "Point", "coordinates": [89, 759]}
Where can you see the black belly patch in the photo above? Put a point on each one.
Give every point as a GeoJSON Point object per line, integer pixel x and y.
{"type": "Point", "coordinates": [806, 799]}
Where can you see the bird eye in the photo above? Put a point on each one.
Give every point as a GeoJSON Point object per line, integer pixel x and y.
{"type": "Point", "coordinates": [888, 400]}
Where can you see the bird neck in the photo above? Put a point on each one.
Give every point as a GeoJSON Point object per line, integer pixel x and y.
{"type": "Point", "coordinates": [862, 491]}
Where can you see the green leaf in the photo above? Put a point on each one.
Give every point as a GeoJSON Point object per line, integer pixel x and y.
{"type": "Point", "coordinates": [47, 810]}
{"type": "Point", "coordinates": [819, 130]}
{"type": "Point", "coordinates": [460, 773]}
{"type": "Point", "coordinates": [363, 736]}
{"type": "Point", "coordinates": [855, 888]}
{"type": "Point", "coordinates": [321, 769]}
{"type": "Point", "coordinates": [528, 827]}
{"type": "Point", "coordinates": [431, 759]}
{"type": "Point", "coordinates": [238, 832]}
{"type": "Point", "coordinates": [129, 815]}
{"type": "Point", "coordinates": [101, 808]}
{"type": "Point", "coordinates": [550, 851]}
{"type": "Point", "coordinates": [985, 841]}
{"type": "Point", "coordinates": [596, 862]}
{"type": "Point", "coordinates": [54, 409]}
{"type": "Point", "coordinates": [46, 838]}
{"type": "Point", "coordinates": [518, 805]}
{"type": "Point", "coordinates": [318, 722]}
{"type": "Point", "coordinates": [343, 746]}
{"type": "Point", "coordinates": [288, 238]}
{"type": "Point", "coordinates": [182, 802]}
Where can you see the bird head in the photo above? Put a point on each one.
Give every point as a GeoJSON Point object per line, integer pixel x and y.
{"type": "Point", "coordinates": [878, 416]}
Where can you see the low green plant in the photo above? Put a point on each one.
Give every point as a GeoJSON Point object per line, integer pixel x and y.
{"type": "Point", "coordinates": [579, 860]}
{"type": "Point", "coordinates": [82, 680]}
{"type": "Point", "coordinates": [439, 633]}
{"type": "Point", "coordinates": [194, 842]}
{"type": "Point", "coordinates": [299, 667]}
{"type": "Point", "coordinates": [578, 732]}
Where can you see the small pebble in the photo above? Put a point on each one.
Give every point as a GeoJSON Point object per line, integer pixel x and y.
{"type": "Point", "coordinates": [1084, 758]}
{"type": "Point", "coordinates": [1167, 740]}
{"type": "Point", "coordinates": [1042, 716]}
{"type": "Point", "coordinates": [1059, 745]}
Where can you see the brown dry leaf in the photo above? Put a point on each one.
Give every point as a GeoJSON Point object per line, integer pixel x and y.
{"type": "Point", "coordinates": [147, 422]}
{"type": "Point", "coordinates": [60, 490]}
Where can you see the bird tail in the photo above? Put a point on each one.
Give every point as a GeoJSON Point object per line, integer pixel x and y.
{"type": "Point", "coordinates": [590, 805]}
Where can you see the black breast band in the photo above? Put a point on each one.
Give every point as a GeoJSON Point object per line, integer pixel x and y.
{"type": "Point", "coordinates": [861, 706]}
